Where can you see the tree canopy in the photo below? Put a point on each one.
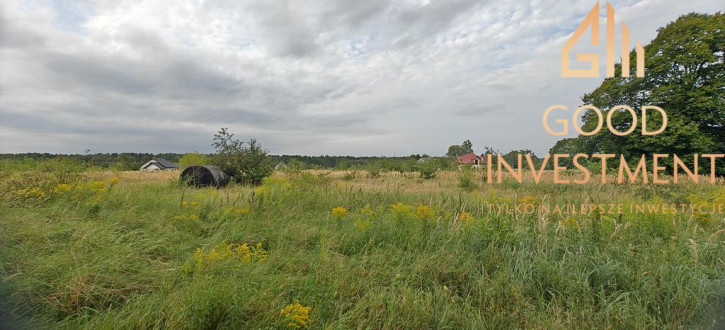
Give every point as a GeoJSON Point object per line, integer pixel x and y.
{"type": "Point", "coordinates": [459, 150]}
{"type": "Point", "coordinates": [685, 76]}
{"type": "Point", "coordinates": [245, 162]}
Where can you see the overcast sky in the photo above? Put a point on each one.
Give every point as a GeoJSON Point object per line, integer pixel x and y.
{"type": "Point", "coordinates": [339, 77]}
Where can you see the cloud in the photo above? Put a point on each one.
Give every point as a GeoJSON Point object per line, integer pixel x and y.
{"type": "Point", "coordinates": [320, 77]}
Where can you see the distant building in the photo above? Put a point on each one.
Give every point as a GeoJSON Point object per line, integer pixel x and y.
{"type": "Point", "coordinates": [471, 159]}
{"type": "Point", "coordinates": [159, 164]}
{"type": "Point", "coordinates": [280, 166]}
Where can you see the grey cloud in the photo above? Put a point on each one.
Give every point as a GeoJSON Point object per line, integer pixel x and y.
{"type": "Point", "coordinates": [285, 30]}
{"type": "Point", "coordinates": [416, 22]}
{"type": "Point", "coordinates": [96, 73]}
{"type": "Point", "coordinates": [354, 14]}
{"type": "Point", "coordinates": [12, 37]}
{"type": "Point", "coordinates": [477, 110]}
{"type": "Point", "coordinates": [149, 76]}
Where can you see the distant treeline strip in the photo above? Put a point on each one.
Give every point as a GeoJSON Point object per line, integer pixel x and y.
{"type": "Point", "coordinates": [132, 161]}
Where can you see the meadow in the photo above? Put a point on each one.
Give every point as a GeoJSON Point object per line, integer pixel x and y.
{"type": "Point", "coordinates": [343, 249]}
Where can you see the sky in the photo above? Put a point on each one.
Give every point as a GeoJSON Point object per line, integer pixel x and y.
{"type": "Point", "coordinates": [322, 77]}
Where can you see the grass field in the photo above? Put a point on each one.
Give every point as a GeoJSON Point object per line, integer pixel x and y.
{"type": "Point", "coordinates": [137, 250]}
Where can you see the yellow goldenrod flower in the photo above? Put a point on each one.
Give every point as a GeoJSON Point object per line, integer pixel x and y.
{"type": "Point", "coordinates": [424, 212]}
{"type": "Point", "coordinates": [30, 193]}
{"type": "Point", "coordinates": [570, 223]}
{"type": "Point", "coordinates": [465, 216]}
{"type": "Point", "coordinates": [62, 188]}
{"type": "Point", "coordinates": [530, 200]}
{"type": "Point", "coordinates": [213, 256]}
{"type": "Point", "coordinates": [244, 253]}
{"type": "Point", "coordinates": [296, 314]}
{"type": "Point", "coordinates": [338, 212]}
{"type": "Point", "coordinates": [367, 211]}
{"type": "Point", "coordinates": [243, 210]}
{"type": "Point", "coordinates": [401, 210]}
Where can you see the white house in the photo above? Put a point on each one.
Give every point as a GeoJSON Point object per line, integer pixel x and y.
{"type": "Point", "coordinates": [159, 164]}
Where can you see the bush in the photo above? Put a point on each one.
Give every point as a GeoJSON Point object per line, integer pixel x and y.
{"type": "Point", "coordinates": [245, 163]}
{"type": "Point", "coordinates": [374, 172]}
{"type": "Point", "coordinates": [466, 181]}
{"type": "Point", "coordinates": [63, 169]}
{"type": "Point", "coordinates": [428, 168]}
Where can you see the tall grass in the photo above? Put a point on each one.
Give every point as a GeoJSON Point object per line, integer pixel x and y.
{"type": "Point", "coordinates": [404, 255]}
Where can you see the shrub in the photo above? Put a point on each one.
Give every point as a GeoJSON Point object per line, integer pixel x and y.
{"type": "Point", "coordinates": [64, 169]}
{"type": "Point", "coordinates": [466, 181]}
{"type": "Point", "coordinates": [427, 169]}
{"type": "Point", "coordinates": [374, 171]}
{"type": "Point", "coordinates": [245, 163]}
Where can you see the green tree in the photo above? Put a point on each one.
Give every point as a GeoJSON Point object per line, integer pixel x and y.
{"type": "Point", "coordinates": [193, 158]}
{"type": "Point", "coordinates": [428, 168]}
{"type": "Point", "coordinates": [512, 158]}
{"type": "Point", "coordinates": [569, 146]}
{"type": "Point", "coordinates": [460, 150]}
{"type": "Point", "coordinates": [685, 76]}
{"type": "Point", "coordinates": [126, 163]}
{"type": "Point", "coordinates": [246, 163]}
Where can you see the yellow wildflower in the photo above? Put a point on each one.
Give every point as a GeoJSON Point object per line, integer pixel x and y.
{"type": "Point", "coordinates": [30, 192]}
{"type": "Point", "coordinates": [61, 188]}
{"type": "Point", "coordinates": [401, 210]}
{"type": "Point", "coordinates": [296, 314]}
{"type": "Point", "coordinates": [213, 256]}
{"type": "Point", "coordinates": [113, 180]}
{"type": "Point", "coordinates": [424, 212]}
{"type": "Point", "coordinates": [530, 200]}
{"type": "Point", "coordinates": [570, 223]}
{"type": "Point", "coordinates": [465, 216]}
{"type": "Point", "coordinates": [367, 211]}
{"type": "Point", "coordinates": [260, 253]}
{"type": "Point", "coordinates": [244, 253]}
{"type": "Point", "coordinates": [338, 212]}
{"type": "Point", "coordinates": [98, 184]}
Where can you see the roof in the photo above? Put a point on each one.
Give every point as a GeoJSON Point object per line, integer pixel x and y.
{"type": "Point", "coordinates": [165, 163]}
{"type": "Point", "coordinates": [469, 158]}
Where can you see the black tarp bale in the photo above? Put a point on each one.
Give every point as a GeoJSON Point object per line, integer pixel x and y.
{"type": "Point", "coordinates": [204, 176]}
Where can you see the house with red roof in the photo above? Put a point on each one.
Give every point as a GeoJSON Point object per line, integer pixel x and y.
{"type": "Point", "coordinates": [471, 159]}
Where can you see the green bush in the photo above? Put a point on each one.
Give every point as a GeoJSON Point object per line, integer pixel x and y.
{"type": "Point", "coordinates": [246, 163]}
{"type": "Point", "coordinates": [466, 180]}
{"type": "Point", "coordinates": [428, 168]}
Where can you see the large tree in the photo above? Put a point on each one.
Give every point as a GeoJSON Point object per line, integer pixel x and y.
{"type": "Point", "coordinates": [685, 76]}
{"type": "Point", "coordinates": [459, 150]}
